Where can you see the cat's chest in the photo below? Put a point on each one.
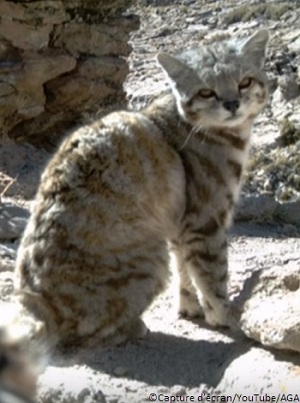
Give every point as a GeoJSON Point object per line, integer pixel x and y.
{"type": "Point", "coordinates": [214, 171]}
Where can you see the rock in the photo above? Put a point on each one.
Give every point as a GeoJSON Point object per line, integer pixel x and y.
{"type": "Point", "coordinates": [24, 36]}
{"type": "Point", "coordinates": [52, 12]}
{"type": "Point", "coordinates": [256, 207]}
{"type": "Point", "coordinates": [271, 309]}
{"type": "Point", "coordinates": [7, 257]}
{"type": "Point", "coordinates": [263, 207]}
{"type": "Point", "coordinates": [52, 56]}
{"type": "Point", "coordinates": [120, 371]}
{"type": "Point", "coordinates": [92, 39]}
{"type": "Point", "coordinates": [68, 385]}
{"type": "Point", "coordinates": [292, 34]}
{"type": "Point", "coordinates": [257, 373]}
{"type": "Point", "coordinates": [13, 220]}
{"type": "Point", "coordinates": [178, 390]}
{"type": "Point", "coordinates": [6, 285]}
{"type": "Point", "coordinates": [288, 86]}
{"type": "Point", "coordinates": [295, 45]}
{"type": "Point", "coordinates": [87, 396]}
{"type": "Point", "coordinates": [157, 3]}
{"type": "Point", "coordinates": [20, 169]}
{"type": "Point", "coordinates": [28, 99]}
{"type": "Point", "coordinates": [288, 212]}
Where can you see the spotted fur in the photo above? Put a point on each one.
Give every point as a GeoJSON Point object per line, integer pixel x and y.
{"type": "Point", "coordinates": [119, 193]}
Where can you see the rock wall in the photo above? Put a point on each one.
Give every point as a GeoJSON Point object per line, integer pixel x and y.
{"type": "Point", "coordinates": [59, 61]}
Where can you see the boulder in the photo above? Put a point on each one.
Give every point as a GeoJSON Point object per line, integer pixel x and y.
{"type": "Point", "coordinates": [59, 62]}
{"type": "Point", "coordinates": [264, 207]}
{"type": "Point", "coordinates": [257, 207]}
{"type": "Point", "coordinates": [7, 257]}
{"type": "Point", "coordinates": [13, 219]}
{"type": "Point", "coordinates": [270, 303]}
{"type": "Point", "coordinates": [257, 375]}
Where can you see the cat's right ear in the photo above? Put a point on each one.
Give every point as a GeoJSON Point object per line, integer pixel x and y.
{"type": "Point", "coordinates": [182, 79]}
{"type": "Point", "coordinates": [255, 46]}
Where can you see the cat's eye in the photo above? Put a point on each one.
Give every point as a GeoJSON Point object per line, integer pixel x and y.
{"type": "Point", "coordinates": [245, 83]}
{"type": "Point", "coordinates": [206, 93]}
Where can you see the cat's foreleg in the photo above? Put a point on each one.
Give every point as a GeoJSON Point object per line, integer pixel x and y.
{"type": "Point", "coordinates": [189, 305]}
{"type": "Point", "coordinates": [208, 267]}
{"type": "Point", "coordinates": [205, 263]}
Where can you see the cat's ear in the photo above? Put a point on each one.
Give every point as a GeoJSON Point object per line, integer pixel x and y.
{"type": "Point", "coordinates": [183, 80]}
{"type": "Point", "coordinates": [255, 47]}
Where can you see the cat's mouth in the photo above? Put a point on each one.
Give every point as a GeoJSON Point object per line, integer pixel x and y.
{"type": "Point", "coordinates": [235, 119]}
{"type": "Point", "coordinates": [234, 116]}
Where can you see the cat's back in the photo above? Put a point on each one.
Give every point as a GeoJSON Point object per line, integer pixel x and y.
{"type": "Point", "coordinates": [116, 177]}
{"type": "Point", "coordinates": [116, 153]}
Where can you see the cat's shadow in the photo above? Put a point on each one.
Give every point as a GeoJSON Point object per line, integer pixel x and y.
{"type": "Point", "coordinates": [164, 359]}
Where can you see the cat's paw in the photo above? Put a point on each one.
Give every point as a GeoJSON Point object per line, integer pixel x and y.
{"type": "Point", "coordinates": [189, 305]}
{"type": "Point", "coordinates": [135, 330]}
{"type": "Point", "coordinates": [217, 315]}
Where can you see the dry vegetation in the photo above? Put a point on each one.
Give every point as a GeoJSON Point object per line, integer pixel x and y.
{"type": "Point", "coordinates": [289, 133]}
{"type": "Point", "coordinates": [247, 12]}
{"type": "Point", "coordinates": [276, 171]}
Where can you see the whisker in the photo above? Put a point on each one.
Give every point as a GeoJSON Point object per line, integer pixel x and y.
{"type": "Point", "coordinates": [189, 136]}
{"type": "Point", "coordinates": [205, 134]}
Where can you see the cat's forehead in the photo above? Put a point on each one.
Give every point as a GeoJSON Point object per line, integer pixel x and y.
{"type": "Point", "coordinates": [218, 59]}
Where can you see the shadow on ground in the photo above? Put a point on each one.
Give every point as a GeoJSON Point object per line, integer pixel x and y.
{"type": "Point", "coordinates": [164, 359]}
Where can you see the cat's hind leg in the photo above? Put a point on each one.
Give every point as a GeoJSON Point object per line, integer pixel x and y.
{"type": "Point", "coordinates": [125, 294]}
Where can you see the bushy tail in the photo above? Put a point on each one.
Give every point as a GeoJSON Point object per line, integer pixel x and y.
{"type": "Point", "coordinates": [23, 353]}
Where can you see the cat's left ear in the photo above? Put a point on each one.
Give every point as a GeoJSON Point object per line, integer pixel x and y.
{"type": "Point", "coordinates": [183, 79]}
{"type": "Point", "coordinates": [255, 47]}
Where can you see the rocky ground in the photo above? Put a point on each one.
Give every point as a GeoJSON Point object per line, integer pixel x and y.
{"type": "Point", "coordinates": [183, 358]}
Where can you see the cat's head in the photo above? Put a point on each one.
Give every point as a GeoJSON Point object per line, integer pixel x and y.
{"type": "Point", "coordinates": [219, 85]}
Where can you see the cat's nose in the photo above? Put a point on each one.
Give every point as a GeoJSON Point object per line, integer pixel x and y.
{"type": "Point", "coordinates": [231, 105]}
